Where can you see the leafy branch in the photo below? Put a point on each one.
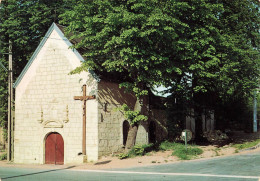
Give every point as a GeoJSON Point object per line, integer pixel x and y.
{"type": "Point", "coordinates": [134, 117]}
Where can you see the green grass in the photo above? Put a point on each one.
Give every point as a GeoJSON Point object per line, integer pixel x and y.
{"type": "Point", "coordinates": [166, 145]}
{"type": "Point", "coordinates": [246, 144]}
{"type": "Point", "coordinates": [187, 154]}
{"type": "Point", "coordinates": [180, 150]}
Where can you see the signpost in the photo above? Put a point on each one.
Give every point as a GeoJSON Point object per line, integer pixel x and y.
{"type": "Point", "coordinates": [186, 136]}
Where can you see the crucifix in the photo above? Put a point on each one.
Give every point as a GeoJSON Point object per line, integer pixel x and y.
{"type": "Point", "coordinates": [84, 98]}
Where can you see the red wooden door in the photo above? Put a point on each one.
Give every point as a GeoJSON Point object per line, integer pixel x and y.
{"type": "Point", "coordinates": [54, 149]}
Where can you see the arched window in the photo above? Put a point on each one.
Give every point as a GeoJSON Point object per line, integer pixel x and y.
{"type": "Point", "coordinates": [126, 126]}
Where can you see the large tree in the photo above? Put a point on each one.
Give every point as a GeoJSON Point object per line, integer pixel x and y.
{"type": "Point", "coordinates": [205, 50]}
{"type": "Point", "coordinates": [136, 39]}
{"type": "Point", "coordinates": [223, 53]}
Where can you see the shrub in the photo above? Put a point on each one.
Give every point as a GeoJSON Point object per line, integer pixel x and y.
{"type": "Point", "coordinates": [3, 156]}
{"type": "Point", "coordinates": [138, 150]}
{"type": "Point", "coordinates": [123, 156]}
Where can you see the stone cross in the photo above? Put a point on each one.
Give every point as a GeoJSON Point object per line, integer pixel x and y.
{"type": "Point", "coordinates": [84, 98]}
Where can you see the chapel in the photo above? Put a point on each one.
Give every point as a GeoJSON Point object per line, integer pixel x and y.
{"type": "Point", "coordinates": [63, 118]}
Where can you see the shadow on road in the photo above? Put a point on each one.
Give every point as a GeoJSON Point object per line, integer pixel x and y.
{"type": "Point", "coordinates": [5, 178]}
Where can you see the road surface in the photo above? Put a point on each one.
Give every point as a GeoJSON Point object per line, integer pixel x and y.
{"type": "Point", "coordinates": [233, 168]}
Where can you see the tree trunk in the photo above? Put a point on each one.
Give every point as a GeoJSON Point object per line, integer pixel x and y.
{"type": "Point", "coordinates": [131, 137]}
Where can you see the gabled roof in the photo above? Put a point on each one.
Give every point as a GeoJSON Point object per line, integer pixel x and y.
{"type": "Point", "coordinates": [59, 30]}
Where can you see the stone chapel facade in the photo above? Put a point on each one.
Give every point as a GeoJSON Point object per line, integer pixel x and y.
{"type": "Point", "coordinates": [48, 120]}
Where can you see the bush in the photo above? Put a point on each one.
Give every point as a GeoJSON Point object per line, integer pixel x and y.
{"type": "Point", "coordinates": [187, 154]}
{"type": "Point", "coordinates": [123, 156]}
{"type": "Point", "coordinates": [140, 150]}
{"type": "Point", "coordinates": [137, 150]}
{"type": "Point", "coordinates": [3, 156]}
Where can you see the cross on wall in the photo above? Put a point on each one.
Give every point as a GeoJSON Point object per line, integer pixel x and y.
{"type": "Point", "coordinates": [84, 98]}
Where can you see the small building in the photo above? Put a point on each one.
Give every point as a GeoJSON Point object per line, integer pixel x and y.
{"type": "Point", "coordinates": [49, 114]}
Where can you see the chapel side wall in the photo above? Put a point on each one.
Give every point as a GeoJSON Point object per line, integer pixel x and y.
{"type": "Point", "coordinates": [2, 141]}
{"type": "Point", "coordinates": [45, 104]}
{"type": "Point", "coordinates": [110, 123]}
{"type": "Point", "coordinates": [160, 118]}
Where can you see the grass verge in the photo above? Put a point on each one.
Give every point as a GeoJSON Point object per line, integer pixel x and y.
{"type": "Point", "coordinates": [180, 150]}
{"type": "Point", "coordinates": [246, 145]}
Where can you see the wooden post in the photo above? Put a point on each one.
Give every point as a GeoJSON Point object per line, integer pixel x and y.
{"type": "Point", "coordinates": [10, 105]}
{"type": "Point", "coordinates": [84, 122]}
{"type": "Point", "coordinates": [255, 113]}
{"type": "Point", "coordinates": [84, 98]}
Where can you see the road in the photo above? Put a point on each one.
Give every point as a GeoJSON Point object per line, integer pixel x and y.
{"type": "Point", "coordinates": [233, 168]}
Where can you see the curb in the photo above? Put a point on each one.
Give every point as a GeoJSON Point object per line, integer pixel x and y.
{"type": "Point", "coordinates": [252, 148]}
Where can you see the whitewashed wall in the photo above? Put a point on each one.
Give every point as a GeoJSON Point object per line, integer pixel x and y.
{"type": "Point", "coordinates": [44, 103]}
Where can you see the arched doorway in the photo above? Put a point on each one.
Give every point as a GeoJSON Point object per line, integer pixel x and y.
{"type": "Point", "coordinates": [125, 131]}
{"type": "Point", "coordinates": [152, 132]}
{"type": "Point", "coordinates": [54, 149]}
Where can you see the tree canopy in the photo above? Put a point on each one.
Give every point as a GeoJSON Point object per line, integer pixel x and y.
{"type": "Point", "coordinates": [206, 51]}
{"type": "Point", "coordinates": [213, 44]}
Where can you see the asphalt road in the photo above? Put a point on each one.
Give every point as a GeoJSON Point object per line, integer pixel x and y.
{"type": "Point", "coordinates": [233, 168]}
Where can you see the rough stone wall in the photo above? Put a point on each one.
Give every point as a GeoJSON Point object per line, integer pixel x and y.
{"type": "Point", "coordinates": [110, 124]}
{"type": "Point", "coordinates": [2, 141]}
{"type": "Point", "coordinates": [45, 104]}
{"type": "Point", "coordinates": [160, 119]}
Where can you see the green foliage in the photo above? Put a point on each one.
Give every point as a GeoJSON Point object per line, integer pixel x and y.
{"type": "Point", "coordinates": [180, 150]}
{"type": "Point", "coordinates": [206, 51]}
{"type": "Point", "coordinates": [166, 145]}
{"type": "Point", "coordinates": [137, 150]}
{"type": "Point", "coordinates": [3, 156]}
{"type": "Point", "coordinates": [187, 154]}
{"type": "Point", "coordinates": [140, 150]}
{"type": "Point", "coordinates": [123, 156]}
{"type": "Point", "coordinates": [135, 39]}
{"type": "Point", "coordinates": [134, 117]}
{"type": "Point", "coordinates": [246, 144]}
